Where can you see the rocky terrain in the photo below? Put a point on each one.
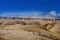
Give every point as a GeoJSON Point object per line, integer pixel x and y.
{"type": "Point", "coordinates": [29, 29]}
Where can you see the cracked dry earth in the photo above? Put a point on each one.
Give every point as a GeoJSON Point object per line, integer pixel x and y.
{"type": "Point", "coordinates": [29, 30]}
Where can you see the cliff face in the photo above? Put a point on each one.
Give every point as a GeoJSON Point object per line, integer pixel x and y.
{"type": "Point", "coordinates": [29, 29]}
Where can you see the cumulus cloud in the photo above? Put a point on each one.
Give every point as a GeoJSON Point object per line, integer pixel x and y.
{"type": "Point", "coordinates": [48, 16]}
{"type": "Point", "coordinates": [59, 14]}
{"type": "Point", "coordinates": [53, 13]}
{"type": "Point", "coordinates": [35, 14]}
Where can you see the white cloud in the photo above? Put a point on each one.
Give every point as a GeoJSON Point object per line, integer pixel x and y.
{"type": "Point", "coordinates": [48, 16]}
{"type": "Point", "coordinates": [53, 13]}
{"type": "Point", "coordinates": [59, 14]}
{"type": "Point", "coordinates": [36, 15]}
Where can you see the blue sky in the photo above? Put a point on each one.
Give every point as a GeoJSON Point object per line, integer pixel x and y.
{"type": "Point", "coordinates": [29, 7]}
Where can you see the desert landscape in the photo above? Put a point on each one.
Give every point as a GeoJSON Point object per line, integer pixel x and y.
{"type": "Point", "coordinates": [29, 29]}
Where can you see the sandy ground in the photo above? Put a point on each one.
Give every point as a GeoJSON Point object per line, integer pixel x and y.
{"type": "Point", "coordinates": [29, 30]}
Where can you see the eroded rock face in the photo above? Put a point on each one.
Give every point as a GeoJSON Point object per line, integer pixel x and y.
{"type": "Point", "coordinates": [29, 30]}
{"type": "Point", "coordinates": [56, 28]}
